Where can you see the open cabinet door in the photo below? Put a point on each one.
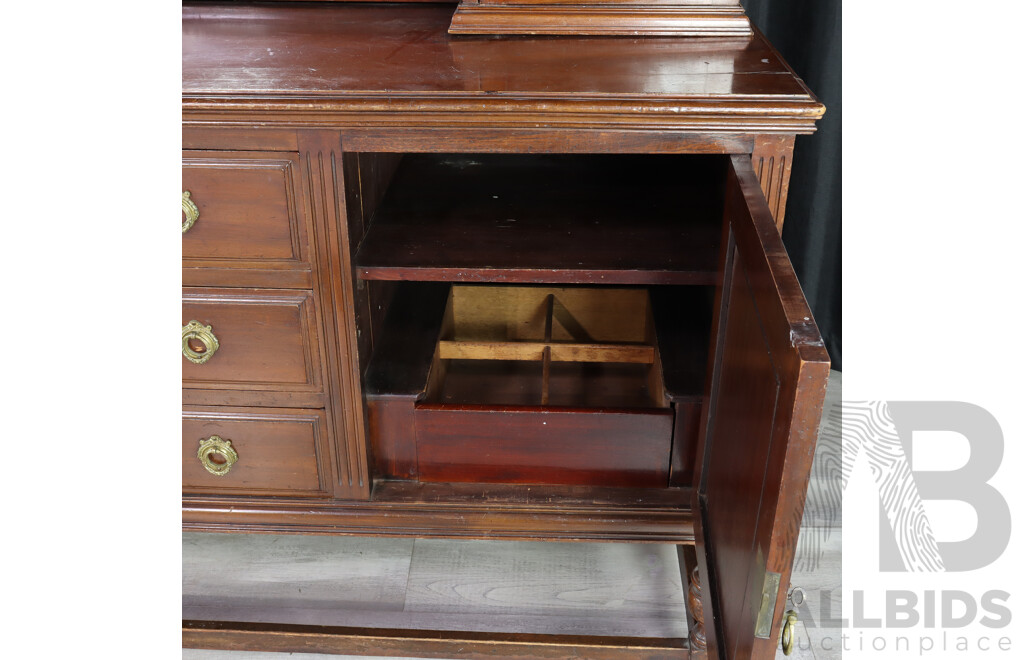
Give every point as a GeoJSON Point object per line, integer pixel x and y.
{"type": "Point", "coordinates": [769, 372]}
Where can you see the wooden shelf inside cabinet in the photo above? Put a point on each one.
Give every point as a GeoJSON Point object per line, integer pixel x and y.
{"type": "Point", "coordinates": [570, 219]}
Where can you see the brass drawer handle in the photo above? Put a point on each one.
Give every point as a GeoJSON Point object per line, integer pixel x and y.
{"type": "Point", "coordinates": [217, 455]}
{"type": "Point", "coordinates": [789, 632]}
{"type": "Point", "coordinates": [196, 331]}
{"type": "Point", "coordinates": [190, 210]}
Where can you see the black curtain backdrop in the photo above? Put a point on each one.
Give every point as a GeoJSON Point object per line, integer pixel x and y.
{"type": "Point", "coordinates": [808, 33]}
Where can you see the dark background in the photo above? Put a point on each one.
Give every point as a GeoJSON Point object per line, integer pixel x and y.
{"type": "Point", "coordinates": [808, 34]}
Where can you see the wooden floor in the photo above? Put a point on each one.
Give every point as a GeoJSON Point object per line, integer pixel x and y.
{"type": "Point", "coordinates": [588, 588]}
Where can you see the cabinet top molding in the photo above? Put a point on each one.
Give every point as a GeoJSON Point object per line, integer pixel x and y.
{"type": "Point", "coordinates": [666, 18]}
{"type": "Point", "coordinates": [357, 65]}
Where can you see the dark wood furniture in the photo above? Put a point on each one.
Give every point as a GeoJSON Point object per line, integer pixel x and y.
{"type": "Point", "coordinates": [511, 288]}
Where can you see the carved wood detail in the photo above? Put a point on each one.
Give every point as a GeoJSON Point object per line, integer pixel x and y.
{"type": "Point", "coordinates": [323, 184]}
{"type": "Point", "coordinates": [698, 639]}
{"type": "Point", "coordinates": [693, 600]}
{"type": "Point", "coordinates": [773, 163]}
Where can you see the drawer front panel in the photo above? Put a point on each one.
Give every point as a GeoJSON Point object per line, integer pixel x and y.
{"type": "Point", "coordinates": [278, 451]}
{"type": "Point", "coordinates": [266, 340]}
{"type": "Point", "coordinates": [249, 206]}
{"type": "Point", "coordinates": [536, 446]}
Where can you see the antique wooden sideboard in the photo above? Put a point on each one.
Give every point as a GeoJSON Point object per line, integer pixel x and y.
{"type": "Point", "coordinates": [528, 286]}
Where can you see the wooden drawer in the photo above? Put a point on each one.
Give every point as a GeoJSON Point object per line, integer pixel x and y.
{"type": "Point", "coordinates": [276, 451]}
{"type": "Point", "coordinates": [251, 226]}
{"type": "Point", "coordinates": [266, 342]}
{"type": "Point", "coordinates": [544, 385]}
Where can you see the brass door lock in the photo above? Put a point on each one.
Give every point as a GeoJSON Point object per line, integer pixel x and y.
{"type": "Point", "coordinates": [796, 597]}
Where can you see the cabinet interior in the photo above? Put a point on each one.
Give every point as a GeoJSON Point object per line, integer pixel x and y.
{"type": "Point", "coordinates": [500, 293]}
{"type": "Point", "coordinates": [547, 346]}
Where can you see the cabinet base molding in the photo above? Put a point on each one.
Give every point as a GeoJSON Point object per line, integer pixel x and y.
{"type": "Point", "coordinates": [407, 509]}
{"type": "Point", "coordinates": [281, 638]}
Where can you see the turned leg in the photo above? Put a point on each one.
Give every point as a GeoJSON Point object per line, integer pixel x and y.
{"type": "Point", "coordinates": [692, 596]}
{"type": "Point", "coordinates": [695, 610]}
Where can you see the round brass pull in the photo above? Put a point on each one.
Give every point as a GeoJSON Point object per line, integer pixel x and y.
{"type": "Point", "coordinates": [190, 210]}
{"type": "Point", "coordinates": [217, 455]}
{"type": "Point", "coordinates": [203, 334]}
{"type": "Point", "coordinates": [789, 632]}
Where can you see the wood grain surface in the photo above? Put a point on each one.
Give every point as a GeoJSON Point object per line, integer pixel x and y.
{"type": "Point", "coordinates": [763, 420]}
{"type": "Point", "coordinates": [268, 341]}
{"type": "Point", "coordinates": [428, 643]}
{"type": "Point", "coordinates": [374, 67]}
{"type": "Point", "coordinates": [475, 511]}
{"type": "Point", "coordinates": [251, 219]}
{"type": "Point", "coordinates": [343, 49]}
{"type": "Point", "coordinates": [281, 451]}
{"type": "Point", "coordinates": [319, 83]}
{"type": "Point", "coordinates": [543, 446]}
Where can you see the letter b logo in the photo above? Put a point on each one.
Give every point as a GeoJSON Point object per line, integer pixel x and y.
{"type": "Point", "coordinates": [967, 484]}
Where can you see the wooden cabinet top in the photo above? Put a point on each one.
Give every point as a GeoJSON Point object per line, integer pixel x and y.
{"type": "Point", "coordinates": [375, 62]}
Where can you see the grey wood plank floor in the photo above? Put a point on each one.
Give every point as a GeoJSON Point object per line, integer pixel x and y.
{"type": "Point", "coordinates": [568, 588]}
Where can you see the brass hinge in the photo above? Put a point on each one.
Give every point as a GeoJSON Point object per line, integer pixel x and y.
{"type": "Point", "coordinates": [769, 596]}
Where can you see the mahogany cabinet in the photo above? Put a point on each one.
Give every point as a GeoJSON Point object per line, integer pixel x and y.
{"type": "Point", "coordinates": [516, 287]}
